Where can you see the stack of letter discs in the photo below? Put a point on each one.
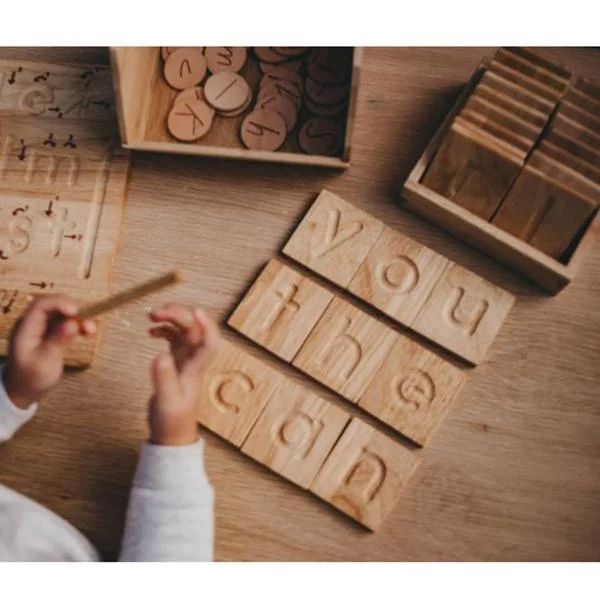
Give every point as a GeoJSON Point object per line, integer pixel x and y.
{"type": "Point", "coordinates": [301, 97]}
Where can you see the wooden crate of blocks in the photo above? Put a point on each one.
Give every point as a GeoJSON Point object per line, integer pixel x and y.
{"type": "Point", "coordinates": [515, 167]}
{"type": "Point", "coordinates": [283, 104]}
{"type": "Point", "coordinates": [63, 177]}
{"type": "Point", "coordinates": [385, 373]}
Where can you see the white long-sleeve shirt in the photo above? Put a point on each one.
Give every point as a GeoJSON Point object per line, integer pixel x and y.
{"type": "Point", "coordinates": [170, 515]}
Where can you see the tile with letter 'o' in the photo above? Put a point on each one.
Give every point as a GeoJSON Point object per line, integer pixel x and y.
{"type": "Point", "coordinates": [280, 309]}
{"type": "Point", "coordinates": [464, 313]}
{"type": "Point", "coordinates": [345, 349]}
{"type": "Point", "coordinates": [295, 433]}
{"type": "Point", "coordinates": [236, 388]}
{"type": "Point", "coordinates": [413, 390]}
{"type": "Point", "coordinates": [333, 238]}
{"type": "Point", "coordinates": [398, 275]}
{"type": "Point", "coordinates": [365, 474]}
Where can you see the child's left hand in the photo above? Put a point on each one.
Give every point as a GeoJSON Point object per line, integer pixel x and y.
{"type": "Point", "coordinates": [37, 346]}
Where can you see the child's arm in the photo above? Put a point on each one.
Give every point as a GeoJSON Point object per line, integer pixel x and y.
{"type": "Point", "coordinates": [35, 363]}
{"type": "Point", "coordinates": [171, 515]}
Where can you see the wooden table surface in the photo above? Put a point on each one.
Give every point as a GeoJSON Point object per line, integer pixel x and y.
{"type": "Point", "coordinates": [513, 473]}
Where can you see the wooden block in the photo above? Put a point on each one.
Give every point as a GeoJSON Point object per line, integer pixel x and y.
{"type": "Point", "coordinates": [558, 70]}
{"type": "Point", "coordinates": [565, 176]}
{"type": "Point", "coordinates": [471, 171]}
{"type": "Point", "coordinates": [333, 238]}
{"type": "Point", "coordinates": [236, 388]}
{"type": "Point", "coordinates": [543, 212]}
{"type": "Point", "coordinates": [513, 123]}
{"type": "Point", "coordinates": [536, 118]}
{"type": "Point", "coordinates": [13, 304]}
{"type": "Point", "coordinates": [514, 91]}
{"type": "Point", "coordinates": [63, 177]}
{"type": "Point", "coordinates": [580, 99]}
{"type": "Point", "coordinates": [464, 313]}
{"type": "Point", "coordinates": [488, 127]}
{"type": "Point", "coordinates": [579, 165]}
{"type": "Point", "coordinates": [529, 83]}
{"type": "Point", "coordinates": [575, 147]}
{"type": "Point", "coordinates": [413, 390]}
{"type": "Point", "coordinates": [280, 310]}
{"type": "Point", "coordinates": [365, 474]}
{"type": "Point", "coordinates": [589, 88]}
{"type": "Point", "coordinates": [534, 70]}
{"type": "Point", "coordinates": [573, 112]}
{"type": "Point", "coordinates": [568, 127]}
{"type": "Point", "coordinates": [295, 433]}
{"type": "Point", "coordinates": [398, 275]}
{"type": "Point", "coordinates": [345, 349]}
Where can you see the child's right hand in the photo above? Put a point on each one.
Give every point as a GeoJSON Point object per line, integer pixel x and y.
{"type": "Point", "coordinates": [177, 375]}
{"type": "Point", "coordinates": [37, 347]}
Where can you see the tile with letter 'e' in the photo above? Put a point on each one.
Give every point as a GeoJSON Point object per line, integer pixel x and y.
{"type": "Point", "coordinates": [236, 388]}
{"type": "Point", "coordinates": [345, 349]}
{"type": "Point", "coordinates": [295, 433]}
{"type": "Point", "coordinates": [365, 474]}
{"type": "Point", "coordinates": [413, 390]}
{"type": "Point", "coordinates": [333, 238]}
{"type": "Point", "coordinates": [397, 276]}
{"type": "Point", "coordinates": [280, 309]}
{"type": "Point", "coordinates": [464, 313]}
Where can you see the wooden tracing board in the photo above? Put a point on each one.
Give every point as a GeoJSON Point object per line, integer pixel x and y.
{"type": "Point", "coordinates": [63, 177]}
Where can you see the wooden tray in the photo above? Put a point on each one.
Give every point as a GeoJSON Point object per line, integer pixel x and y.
{"type": "Point", "coordinates": [144, 98]}
{"type": "Point", "coordinates": [549, 273]}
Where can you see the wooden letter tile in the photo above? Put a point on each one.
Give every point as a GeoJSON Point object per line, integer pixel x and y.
{"type": "Point", "coordinates": [333, 238]}
{"type": "Point", "coordinates": [472, 171]}
{"type": "Point", "coordinates": [464, 313]}
{"type": "Point", "coordinates": [398, 275]}
{"type": "Point", "coordinates": [345, 349]}
{"type": "Point", "coordinates": [541, 89]}
{"type": "Point", "coordinates": [365, 474]}
{"type": "Point", "coordinates": [236, 388]}
{"type": "Point", "coordinates": [280, 309]}
{"type": "Point", "coordinates": [295, 433]}
{"type": "Point", "coordinates": [413, 390]}
{"type": "Point", "coordinates": [548, 205]}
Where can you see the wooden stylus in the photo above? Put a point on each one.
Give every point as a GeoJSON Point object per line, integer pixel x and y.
{"type": "Point", "coordinates": [129, 295]}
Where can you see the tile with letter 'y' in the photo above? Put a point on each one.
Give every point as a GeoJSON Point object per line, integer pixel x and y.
{"type": "Point", "coordinates": [280, 309]}
{"type": "Point", "coordinates": [333, 238]}
{"type": "Point", "coordinates": [236, 388]}
{"type": "Point", "coordinates": [413, 390]}
{"type": "Point", "coordinates": [365, 474]}
{"type": "Point", "coordinates": [345, 349]}
{"type": "Point", "coordinates": [464, 313]}
{"type": "Point", "coordinates": [295, 433]}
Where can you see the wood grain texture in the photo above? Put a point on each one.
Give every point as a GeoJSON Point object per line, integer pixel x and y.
{"type": "Point", "coordinates": [510, 474]}
{"type": "Point", "coordinates": [365, 474]}
{"type": "Point", "coordinates": [464, 313]}
{"type": "Point", "coordinates": [333, 238]}
{"type": "Point", "coordinates": [345, 349]}
{"type": "Point", "coordinates": [548, 207]}
{"type": "Point", "coordinates": [398, 275]}
{"type": "Point", "coordinates": [413, 390]}
{"type": "Point", "coordinates": [295, 433]}
{"type": "Point", "coordinates": [236, 388]}
{"type": "Point", "coordinates": [62, 185]}
{"type": "Point", "coordinates": [473, 170]}
{"type": "Point", "coordinates": [280, 309]}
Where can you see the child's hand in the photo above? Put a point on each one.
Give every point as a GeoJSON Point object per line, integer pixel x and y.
{"type": "Point", "coordinates": [37, 347]}
{"type": "Point", "coordinates": [177, 376]}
